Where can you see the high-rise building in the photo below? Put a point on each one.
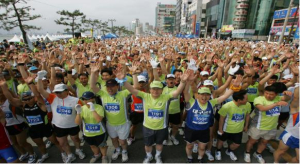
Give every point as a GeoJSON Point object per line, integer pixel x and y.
{"type": "Point", "coordinates": [178, 16]}
{"type": "Point", "coordinates": [165, 18]}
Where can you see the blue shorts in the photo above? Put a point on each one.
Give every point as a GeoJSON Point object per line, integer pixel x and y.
{"type": "Point", "coordinates": [9, 154]}
{"type": "Point", "coordinates": [289, 140]}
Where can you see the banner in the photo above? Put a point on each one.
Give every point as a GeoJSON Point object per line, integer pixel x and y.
{"type": "Point", "coordinates": [197, 29]}
{"type": "Point", "coordinates": [280, 14]}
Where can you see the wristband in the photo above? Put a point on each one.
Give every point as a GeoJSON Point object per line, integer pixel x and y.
{"type": "Point", "coordinates": [235, 89]}
{"type": "Point", "coordinates": [121, 82]}
{"type": "Point", "coordinates": [87, 66]}
{"type": "Point", "coordinates": [21, 64]}
{"type": "Point", "coordinates": [69, 71]}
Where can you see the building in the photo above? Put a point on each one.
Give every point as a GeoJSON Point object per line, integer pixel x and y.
{"type": "Point", "coordinates": [278, 21]}
{"type": "Point", "coordinates": [196, 17]}
{"type": "Point", "coordinates": [224, 16]}
{"type": "Point", "coordinates": [178, 16]}
{"type": "Point", "coordinates": [165, 18]}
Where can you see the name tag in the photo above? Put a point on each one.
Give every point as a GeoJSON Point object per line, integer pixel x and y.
{"type": "Point", "coordinates": [138, 107]}
{"type": "Point", "coordinates": [252, 90]}
{"type": "Point", "coordinates": [8, 115]}
{"type": "Point", "coordinates": [34, 120]}
{"type": "Point", "coordinates": [200, 119]}
{"type": "Point", "coordinates": [64, 110]}
{"type": "Point", "coordinates": [92, 128]}
{"type": "Point", "coordinates": [155, 114]}
{"type": "Point", "coordinates": [112, 107]}
{"type": "Point", "coordinates": [273, 112]}
{"type": "Point", "coordinates": [237, 117]}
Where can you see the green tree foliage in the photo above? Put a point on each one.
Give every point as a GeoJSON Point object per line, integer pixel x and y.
{"type": "Point", "coordinates": [70, 19]}
{"type": "Point", "coordinates": [16, 16]}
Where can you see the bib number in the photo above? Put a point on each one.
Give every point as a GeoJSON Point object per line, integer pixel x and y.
{"type": "Point", "coordinates": [8, 115]}
{"type": "Point", "coordinates": [155, 114]}
{"type": "Point", "coordinates": [34, 120]}
{"type": "Point", "coordinates": [92, 128]}
{"type": "Point", "coordinates": [252, 90]}
{"type": "Point", "coordinates": [237, 117]}
{"type": "Point", "coordinates": [138, 107]}
{"type": "Point", "coordinates": [64, 110]}
{"type": "Point", "coordinates": [273, 112]}
{"type": "Point", "coordinates": [112, 107]}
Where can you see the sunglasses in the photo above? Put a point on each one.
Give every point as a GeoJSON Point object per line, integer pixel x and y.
{"type": "Point", "coordinates": [58, 92]}
{"type": "Point", "coordinates": [27, 99]}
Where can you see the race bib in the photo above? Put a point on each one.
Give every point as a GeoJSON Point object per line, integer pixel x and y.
{"type": "Point", "coordinates": [200, 119]}
{"type": "Point", "coordinates": [155, 114]}
{"type": "Point", "coordinates": [138, 107]}
{"type": "Point", "coordinates": [34, 120]}
{"type": "Point", "coordinates": [237, 117]}
{"type": "Point", "coordinates": [112, 107]}
{"type": "Point", "coordinates": [64, 110]}
{"type": "Point", "coordinates": [92, 128]}
{"type": "Point", "coordinates": [273, 112]}
{"type": "Point", "coordinates": [252, 90]}
{"type": "Point", "coordinates": [8, 115]}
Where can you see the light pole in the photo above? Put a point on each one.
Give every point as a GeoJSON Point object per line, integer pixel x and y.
{"type": "Point", "coordinates": [112, 24]}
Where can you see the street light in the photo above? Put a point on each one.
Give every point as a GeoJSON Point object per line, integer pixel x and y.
{"type": "Point", "coordinates": [112, 24]}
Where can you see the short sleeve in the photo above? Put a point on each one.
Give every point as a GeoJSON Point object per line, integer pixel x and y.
{"type": "Point", "coordinates": [258, 100]}
{"type": "Point", "coordinates": [190, 103]}
{"type": "Point", "coordinates": [213, 102]}
{"type": "Point", "coordinates": [223, 110]}
{"type": "Point", "coordinates": [101, 93]}
{"type": "Point", "coordinates": [125, 93]}
{"type": "Point", "coordinates": [51, 98]}
{"type": "Point", "coordinates": [248, 106]}
{"type": "Point", "coordinates": [100, 110]}
{"type": "Point", "coordinates": [142, 94]}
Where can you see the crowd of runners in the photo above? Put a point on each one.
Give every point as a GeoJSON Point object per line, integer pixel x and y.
{"type": "Point", "coordinates": [208, 90]}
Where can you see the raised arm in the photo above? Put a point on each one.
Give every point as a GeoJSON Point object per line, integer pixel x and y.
{"type": "Point", "coordinates": [12, 100]}
{"type": "Point", "coordinates": [94, 70]}
{"type": "Point", "coordinates": [41, 89]}
{"type": "Point", "coordinates": [228, 93]}
{"type": "Point", "coordinates": [40, 100]}
{"type": "Point", "coordinates": [184, 77]}
{"type": "Point", "coordinates": [120, 75]}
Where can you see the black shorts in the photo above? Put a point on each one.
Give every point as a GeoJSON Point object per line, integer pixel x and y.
{"type": "Point", "coordinates": [234, 137]}
{"type": "Point", "coordinates": [217, 115]}
{"type": "Point", "coordinates": [16, 129]}
{"type": "Point", "coordinates": [61, 132]}
{"type": "Point", "coordinates": [136, 118]}
{"type": "Point", "coordinates": [40, 131]}
{"type": "Point", "coordinates": [95, 140]}
{"type": "Point", "coordinates": [252, 106]}
{"type": "Point", "coordinates": [174, 118]}
{"type": "Point", "coordinates": [196, 135]}
{"type": "Point", "coordinates": [154, 136]}
{"type": "Point", "coordinates": [284, 115]}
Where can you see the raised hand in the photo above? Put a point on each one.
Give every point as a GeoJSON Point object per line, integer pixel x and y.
{"type": "Point", "coordinates": [192, 76]}
{"type": "Point", "coordinates": [119, 72]}
{"type": "Point", "coordinates": [30, 79]}
{"type": "Point", "coordinates": [134, 67]}
{"type": "Point", "coordinates": [295, 69]}
{"type": "Point", "coordinates": [192, 65]}
{"type": "Point", "coordinates": [247, 70]}
{"type": "Point", "coordinates": [275, 69]}
{"type": "Point", "coordinates": [282, 103]}
{"type": "Point", "coordinates": [220, 64]}
{"type": "Point", "coordinates": [78, 108]}
{"type": "Point", "coordinates": [92, 107]}
{"type": "Point", "coordinates": [237, 81]}
{"type": "Point", "coordinates": [185, 75]}
{"type": "Point", "coordinates": [41, 74]}
{"type": "Point", "coordinates": [95, 67]}
{"type": "Point", "coordinates": [153, 63]}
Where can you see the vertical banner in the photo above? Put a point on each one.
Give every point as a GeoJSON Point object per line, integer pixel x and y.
{"type": "Point", "coordinates": [197, 29]}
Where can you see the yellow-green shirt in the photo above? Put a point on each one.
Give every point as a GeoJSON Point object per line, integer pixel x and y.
{"type": "Point", "coordinates": [90, 126]}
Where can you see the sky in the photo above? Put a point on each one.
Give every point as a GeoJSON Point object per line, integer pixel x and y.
{"type": "Point", "coordinates": [124, 11]}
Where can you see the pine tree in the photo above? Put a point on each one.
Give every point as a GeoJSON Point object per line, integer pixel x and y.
{"type": "Point", "coordinates": [14, 16]}
{"type": "Point", "coordinates": [70, 19]}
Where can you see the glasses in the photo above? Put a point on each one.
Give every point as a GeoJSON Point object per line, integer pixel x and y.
{"type": "Point", "coordinates": [27, 99]}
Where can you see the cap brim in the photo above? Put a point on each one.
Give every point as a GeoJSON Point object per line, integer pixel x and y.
{"type": "Point", "coordinates": [58, 90]}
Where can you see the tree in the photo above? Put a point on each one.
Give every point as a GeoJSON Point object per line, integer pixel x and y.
{"type": "Point", "coordinates": [103, 27]}
{"type": "Point", "coordinates": [14, 16]}
{"type": "Point", "coordinates": [70, 19]}
{"type": "Point", "coordinates": [120, 30]}
{"type": "Point", "coordinates": [90, 24]}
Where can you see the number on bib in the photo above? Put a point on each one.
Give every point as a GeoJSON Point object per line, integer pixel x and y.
{"type": "Point", "coordinates": [34, 120]}
{"type": "Point", "coordinates": [112, 107]}
{"type": "Point", "coordinates": [92, 128]}
{"type": "Point", "coordinates": [138, 107]}
{"type": "Point", "coordinates": [155, 114]}
{"type": "Point", "coordinates": [64, 110]}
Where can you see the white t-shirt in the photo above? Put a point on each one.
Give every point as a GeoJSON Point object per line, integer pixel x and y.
{"type": "Point", "coordinates": [63, 111]}
{"type": "Point", "coordinates": [10, 118]}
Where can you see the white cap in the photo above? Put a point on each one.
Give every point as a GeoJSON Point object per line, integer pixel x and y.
{"type": "Point", "coordinates": [204, 73]}
{"type": "Point", "coordinates": [170, 76]}
{"type": "Point", "coordinates": [74, 72]}
{"type": "Point", "coordinates": [60, 88]}
{"type": "Point", "coordinates": [208, 82]}
{"type": "Point", "coordinates": [57, 68]}
{"type": "Point", "coordinates": [264, 58]}
{"type": "Point", "coordinates": [289, 76]}
{"type": "Point", "coordinates": [141, 78]}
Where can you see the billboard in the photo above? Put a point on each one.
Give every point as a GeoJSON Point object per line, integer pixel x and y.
{"type": "Point", "coordinates": [197, 28]}
{"type": "Point", "coordinates": [280, 14]}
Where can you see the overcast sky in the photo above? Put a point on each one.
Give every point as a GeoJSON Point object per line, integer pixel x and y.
{"type": "Point", "coordinates": [124, 11]}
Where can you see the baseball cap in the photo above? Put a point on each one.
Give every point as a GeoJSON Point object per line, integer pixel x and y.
{"type": "Point", "coordinates": [29, 64]}
{"type": "Point", "coordinates": [60, 88]}
{"type": "Point", "coordinates": [156, 84]}
{"type": "Point", "coordinates": [170, 76]}
{"type": "Point", "coordinates": [204, 90]}
{"type": "Point", "coordinates": [111, 83]}
{"type": "Point", "coordinates": [33, 68]}
{"type": "Point", "coordinates": [28, 93]}
{"type": "Point", "coordinates": [74, 72]}
{"type": "Point", "coordinates": [141, 78]}
{"type": "Point", "coordinates": [289, 76]}
{"type": "Point", "coordinates": [264, 58]}
{"type": "Point", "coordinates": [87, 95]}
{"type": "Point", "coordinates": [202, 73]}
{"type": "Point", "coordinates": [208, 82]}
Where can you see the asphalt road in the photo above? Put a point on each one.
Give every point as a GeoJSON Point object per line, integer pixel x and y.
{"type": "Point", "coordinates": [170, 154]}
